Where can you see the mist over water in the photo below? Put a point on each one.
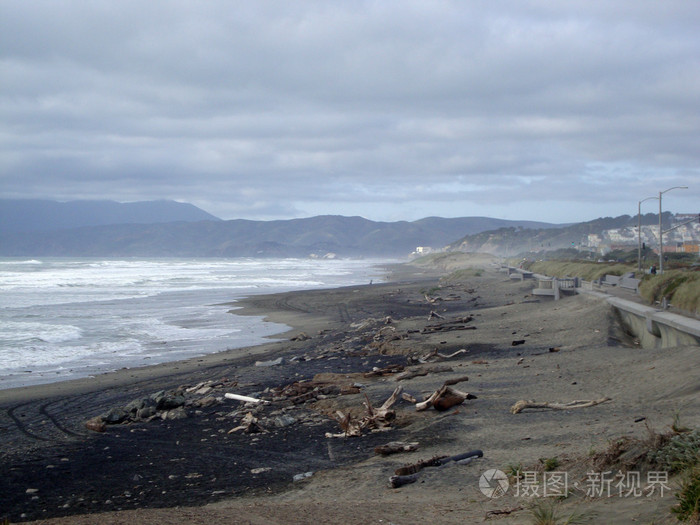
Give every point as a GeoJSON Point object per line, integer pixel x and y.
{"type": "Point", "coordinates": [68, 318]}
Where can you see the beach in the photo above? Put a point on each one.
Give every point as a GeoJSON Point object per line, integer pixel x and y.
{"type": "Point", "coordinates": [222, 461]}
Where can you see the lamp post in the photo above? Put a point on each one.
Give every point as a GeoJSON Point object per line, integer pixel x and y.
{"type": "Point", "coordinates": [661, 233]}
{"type": "Point", "coordinates": [639, 232]}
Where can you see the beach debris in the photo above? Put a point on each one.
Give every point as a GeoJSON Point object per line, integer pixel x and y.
{"type": "Point", "coordinates": [399, 481]}
{"type": "Point", "coordinates": [273, 362]}
{"type": "Point", "coordinates": [554, 349]}
{"type": "Point", "coordinates": [436, 355]}
{"type": "Point", "coordinates": [584, 403]}
{"type": "Point", "coordinates": [249, 424]}
{"type": "Point", "coordinates": [446, 397]}
{"type": "Point", "coordinates": [501, 512]}
{"type": "Point", "coordinates": [302, 476]}
{"type": "Point", "coordinates": [376, 418]}
{"type": "Point", "coordinates": [413, 468]}
{"type": "Point", "coordinates": [409, 473]}
{"type": "Point", "coordinates": [408, 397]}
{"type": "Point", "coordinates": [245, 399]}
{"type": "Point", "coordinates": [320, 387]}
{"type": "Point", "coordinates": [260, 470]}
{"type": "Point", "coordinates": [432, 300]}
{"type": "Point", "coordinates": [518, 342]}
{"type": "Point", "coordinates": [461, 323]}
{"type": "Point", "coordinates": [96, 424]}
{"type": "Point", "coordinates": [384, 371]}
{"type": "Point", "coordinates": [422, 371]}
{"type": "Point", "coordinates": [302, 336]}
{"type": "Point", "coordinates": [434, 315]}
{"type": "Point", "coordinates": [395, 447]}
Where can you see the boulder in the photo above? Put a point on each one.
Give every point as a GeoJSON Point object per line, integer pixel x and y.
{"type": "Point", "coordinates": [146, 412]}
{"type": "Point", "coordinates": [176, 413]}
{"type": "Point", "coordinates": [114, 416]}
{"type": "Point", "coordinates": [169, 401]}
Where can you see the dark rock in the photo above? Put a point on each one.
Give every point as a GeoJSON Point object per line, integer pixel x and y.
{"type": "Point", "coordinates": [176, 413]}
{"type": "Point", "coordinates": [146, 412]}
{"type": "Point", "coordinates": [114, 416]}
{"type": "Point", "coordinates": [136, 405]}
{"type": "Point", "coordinates": [206, 402]}
{"type": "Point", "coordinates": [284, 421]}
{"type": "Point", "coordinates": [170, 401]}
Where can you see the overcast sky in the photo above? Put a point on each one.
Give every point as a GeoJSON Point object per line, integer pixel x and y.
{"type": "Point", "coordinates": [545, 110]}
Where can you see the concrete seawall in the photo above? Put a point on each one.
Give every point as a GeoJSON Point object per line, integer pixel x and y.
{"type": "Point", "coordinates": [654, 328]}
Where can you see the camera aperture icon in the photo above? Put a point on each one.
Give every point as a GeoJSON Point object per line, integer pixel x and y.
{"type": "Point", "coordinates": [493, 483]}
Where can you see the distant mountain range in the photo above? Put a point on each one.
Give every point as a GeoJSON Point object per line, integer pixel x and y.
{"type": "Point", "coordinates": [44, 215]}
{"type": "Point", "coordinates": [166, 228]}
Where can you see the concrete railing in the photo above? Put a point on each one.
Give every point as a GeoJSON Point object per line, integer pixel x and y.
{"type": "Point", "coordinates": [655, 328]}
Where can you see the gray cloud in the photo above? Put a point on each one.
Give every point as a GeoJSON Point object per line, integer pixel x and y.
{"type": "Point", "coordinates": [392, 110]}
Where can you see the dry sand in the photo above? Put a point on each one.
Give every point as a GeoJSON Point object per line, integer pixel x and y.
{"type": "Point", "coordinates": [592, 360]}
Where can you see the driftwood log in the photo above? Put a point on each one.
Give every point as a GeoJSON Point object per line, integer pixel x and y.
{"type": "Point", "coordinates": [446, 396]}
{"type": "Point", "coordinates": [422, 371]}
{"type": "Point", "coordinates": [376, 418]}
{"type": "Point", "coordinates": [399, 481]}
{"type": "Point", "coordinates": [435, 355]}
{"type": "Point", "coordinates": [409, 473]}
{"type": "Point", "coordinates": [584, 403]}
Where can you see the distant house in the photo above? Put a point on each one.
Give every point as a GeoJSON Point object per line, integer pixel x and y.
{"type": "Point", "coordinates": [688, 247]}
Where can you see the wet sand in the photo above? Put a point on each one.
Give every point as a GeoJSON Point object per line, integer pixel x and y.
{"type": "Point", "coordinates": [194, 470]}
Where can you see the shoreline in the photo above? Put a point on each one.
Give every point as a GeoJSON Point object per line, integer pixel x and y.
{"type": "Point", "coordinates": [254, 305]}
{"type": "Point", "coordinates": [211, 472]}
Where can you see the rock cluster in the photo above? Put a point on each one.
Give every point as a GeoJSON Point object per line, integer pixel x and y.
{"type": "Point", "coordinates": [165, 405]}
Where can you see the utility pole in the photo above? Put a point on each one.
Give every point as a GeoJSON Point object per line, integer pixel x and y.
{"type": "Point", "coordinates": [639, 232]}
{"type": "Point", "coordinates": [661, 233]}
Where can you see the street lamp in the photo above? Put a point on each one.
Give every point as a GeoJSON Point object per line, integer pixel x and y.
{"type": "Point", "coordinates": [661, 233]}
{"type": "Point", "coordinates": [639, 232]}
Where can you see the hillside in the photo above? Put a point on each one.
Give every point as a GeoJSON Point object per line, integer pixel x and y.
{"type": "Point", "coordinates": [514, 240]}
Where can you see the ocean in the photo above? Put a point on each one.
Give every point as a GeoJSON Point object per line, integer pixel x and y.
{"type": "Point", "coordinates": [66, 318]}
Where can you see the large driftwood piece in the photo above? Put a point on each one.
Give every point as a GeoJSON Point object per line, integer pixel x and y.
{"type": "Point", "coordinates": [376, 418]}
{"type": "Point", "coordinates": [584, 403]}
{"type": "Point", "coordinates": [409, 473]}
{"type": "Point", "coordinates": [446, 396]}
{"type": "Point", "coordinates": [399, 481]}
